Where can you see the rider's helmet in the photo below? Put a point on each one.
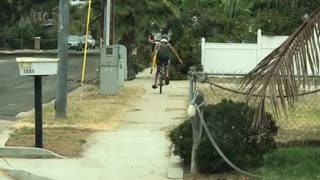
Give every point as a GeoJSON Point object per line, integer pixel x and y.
{"type": "Point", "coordinates": [164, 36]}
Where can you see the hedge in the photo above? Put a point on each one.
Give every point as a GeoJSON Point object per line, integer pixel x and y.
{"type": "Point", "coordinates": [45, 44]}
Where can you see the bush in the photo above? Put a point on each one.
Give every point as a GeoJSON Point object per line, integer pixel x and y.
{"type": "Point", "coordinates": [48, 44]}
{"type": "Point", "coordinates": [29, 44]}
{"type": "Point", "coordinates": [16, 43]}
{"type": "Point", "coordinates": [230, 124]}
{"type": "Point", "coordinates": [10, 37]}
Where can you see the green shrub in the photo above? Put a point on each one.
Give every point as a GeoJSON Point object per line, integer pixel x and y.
{"type": "Point", "coordinates": [230, 124]}
{"type": "Point", "coordinates": [16, 44]}
{"type": "Point", "coordinates": [29, 44]}
{"type": "Point", "coordinates": [48, 44]}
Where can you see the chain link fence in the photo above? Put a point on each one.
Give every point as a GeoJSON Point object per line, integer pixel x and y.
{"type": "Point", "coordinates": [300, 126]}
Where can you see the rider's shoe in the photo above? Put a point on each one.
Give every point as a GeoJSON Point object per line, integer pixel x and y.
{"type": "Point", "coordinates": [154, 86]}
{"type": "Point", "coordinates": [167, 81]}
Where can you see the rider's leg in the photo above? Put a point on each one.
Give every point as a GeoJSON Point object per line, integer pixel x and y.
{"type": "Point", "coordinates": [156, 78]}
{"type": "Point", "coordinates": [154, 86]}
{"type": "Point", "coordinates": [167, 66]}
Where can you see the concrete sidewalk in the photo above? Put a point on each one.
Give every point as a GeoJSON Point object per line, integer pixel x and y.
{"type": "Point", "coordinates": [139, 150]}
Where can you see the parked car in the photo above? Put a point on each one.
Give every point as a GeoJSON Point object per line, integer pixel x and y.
{"type": "Point", "coordinates": [91, 42]}
{"type": "Point", "coordinates": [74, 43]}
{"type": "Point", "coordinates": [78, 2]}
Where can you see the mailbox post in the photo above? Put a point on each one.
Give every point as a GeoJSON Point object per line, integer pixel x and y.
{"type": "Point", "coordinates": [37, 67]}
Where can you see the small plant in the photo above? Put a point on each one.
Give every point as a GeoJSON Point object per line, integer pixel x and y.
{"type": "Point", "coordinates": [82, 141]}
{"type": "Point", "coordinates": [230, 125]}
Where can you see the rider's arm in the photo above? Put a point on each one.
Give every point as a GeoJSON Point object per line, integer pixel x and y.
{"type": "Point", "coordinates": [175, 53]}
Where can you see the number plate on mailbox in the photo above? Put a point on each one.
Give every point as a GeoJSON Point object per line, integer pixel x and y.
{"type": "Point", "coordinates": [26, 65]}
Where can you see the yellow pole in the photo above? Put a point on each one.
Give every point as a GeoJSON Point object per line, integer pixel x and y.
{"type": "Point", "coordinates": [86, 43]}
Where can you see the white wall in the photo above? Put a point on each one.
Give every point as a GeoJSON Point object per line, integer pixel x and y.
{"type": "Point", "coordinates": [237, 58]}
{"type": "Point", "coordinates": [269, 43]}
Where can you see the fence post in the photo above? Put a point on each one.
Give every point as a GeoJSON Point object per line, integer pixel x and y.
{"type": "Point", "coordinates": [191, 81]}
{"type": "Point", "coordinates": [197, 134]}
{"type": "Point", "coordinates": [203, 53]}
{"type": "Point", "coordinates": [259, 45]}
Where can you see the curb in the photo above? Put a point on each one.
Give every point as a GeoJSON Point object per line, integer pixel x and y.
{"type": "Point", "coordinates": [28, 153]}
{"type": "Point", "coordinates": [28, 53]}
{"type": "Point", "coordinates": [23, 175]}
{"type": "Point", "coordinates": [175, 171]}
{"type": "Point", "coordinates": [4, 136]}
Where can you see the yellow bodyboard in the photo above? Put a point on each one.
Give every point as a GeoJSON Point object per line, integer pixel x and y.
{"type": "Point", "coordinates": [154, 61]}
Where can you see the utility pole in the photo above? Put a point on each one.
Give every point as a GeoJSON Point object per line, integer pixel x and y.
{"type": "Point", "coordinates": [112, 19]}
{"type": "Point", "coordinates": [62, 75]}
{"type": "Point", "coordinates": [106, 22]}
{"type": "Point", "coordinates": [108, 26]}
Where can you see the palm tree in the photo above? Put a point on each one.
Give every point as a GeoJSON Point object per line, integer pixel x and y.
{"type": "Point", "coordinates": [231, 7]}
{"type": "Point", "coordinates": [282, 75]}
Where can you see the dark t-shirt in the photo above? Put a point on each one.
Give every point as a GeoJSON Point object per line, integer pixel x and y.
{"type": "Point", "coordinates": [164, 51]}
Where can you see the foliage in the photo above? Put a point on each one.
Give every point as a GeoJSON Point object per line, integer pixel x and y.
{"type": "Point", "coordinates": [49, 44]}
{"type": "Point", "coordinates": [230, 125]}
{"type": "Point", "coordinates": [45, 44]}
{"type": "Point", "coordinates": [78, 19]}
{"type": "Point", "coordinates": [238, 21]}
{"type": "Point", "coordinates": [235, 21]}
{"type": "Point", "coordinates": [15, 44]}
{"type": "Point", "coordinates": [12, 10]}
{"type": "Point", "coordinates": [12, 36]}
{"type": "Point", "coordinates": [189, 51]}
{"type": "Point", "coordinates": [218, 20]}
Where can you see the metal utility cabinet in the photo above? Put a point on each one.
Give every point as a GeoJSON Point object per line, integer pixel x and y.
{"type": "Point", "coordinates": [109, 67]}
{"type": "Point", "coordinates": [123, 70]}
{"type": "Point", "coordinates": [124, 59]}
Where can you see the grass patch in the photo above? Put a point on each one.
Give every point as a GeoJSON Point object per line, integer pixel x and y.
{"type": "Point", "coordinates": [291, 163]}
{"type": "Point", "coordinates": [64, 141]}
{"type": "Point", "coordinates": [87, 112]}
{"type": "Point", "coordinates": [92, 111]}
{"type": "Point", "coordinates": [282, 164]}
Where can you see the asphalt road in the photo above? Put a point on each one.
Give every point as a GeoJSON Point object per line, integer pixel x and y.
{"type": "Point", "coordinates": [17, 92]}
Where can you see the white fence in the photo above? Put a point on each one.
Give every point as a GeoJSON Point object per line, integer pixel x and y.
{"type": "Point", "coordinates": [237, 58]}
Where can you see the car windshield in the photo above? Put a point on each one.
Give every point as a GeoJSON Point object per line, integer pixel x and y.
{"type": "Point", "coordinates": [73, 38]}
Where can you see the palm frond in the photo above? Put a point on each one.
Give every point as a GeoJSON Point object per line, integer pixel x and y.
{"type": "Point", "coordinates": [122, 11]}
{"type": "Point", "coordinates": [174, 10]}
{"type": "Point", "coordinates": [286, 71]}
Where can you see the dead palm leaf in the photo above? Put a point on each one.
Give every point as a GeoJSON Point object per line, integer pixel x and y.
{"type": "Point", "coordinates": [286, 71]}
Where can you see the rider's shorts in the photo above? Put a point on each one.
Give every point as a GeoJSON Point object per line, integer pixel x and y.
{"type": "Point", "coordinates": [166, 63]}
